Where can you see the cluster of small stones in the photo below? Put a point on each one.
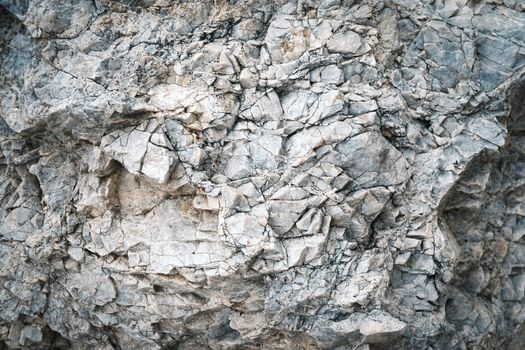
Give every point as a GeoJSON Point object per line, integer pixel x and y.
{"type": "Point", "coordinates": [262, 174]}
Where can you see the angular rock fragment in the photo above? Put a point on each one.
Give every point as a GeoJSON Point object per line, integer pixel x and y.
{"type": "Point", "coordinates": [347, 42]}
{"type": "Point", "coordinates": [142, 152]}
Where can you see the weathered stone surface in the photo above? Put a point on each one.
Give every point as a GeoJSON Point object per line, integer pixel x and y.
{"type": "Point", "coordinates": [270, 174]}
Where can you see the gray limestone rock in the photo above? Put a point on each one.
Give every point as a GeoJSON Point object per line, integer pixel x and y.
{"type": "Point", "coordinates": [262, 174]}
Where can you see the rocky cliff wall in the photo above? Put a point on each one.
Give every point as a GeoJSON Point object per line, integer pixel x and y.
{"type": "Point", "coordinates": [260, 174]}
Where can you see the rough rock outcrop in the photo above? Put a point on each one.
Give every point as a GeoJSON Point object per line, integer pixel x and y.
{"type": "Point", "coordinates": [262, 174]}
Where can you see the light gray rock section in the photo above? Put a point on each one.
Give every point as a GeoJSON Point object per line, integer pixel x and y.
{"type": "Point", "coordinates": [264, 174]}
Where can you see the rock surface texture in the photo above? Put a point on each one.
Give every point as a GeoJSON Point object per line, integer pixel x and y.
{"type": "Point", "coordinates": [262, 174]}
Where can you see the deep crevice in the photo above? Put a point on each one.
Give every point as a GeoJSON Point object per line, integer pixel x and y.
{"type": "Point", "coordinates": [485, 211]}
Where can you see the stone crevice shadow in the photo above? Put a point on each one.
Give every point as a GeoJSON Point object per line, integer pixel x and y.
{"type": "Point", "coordinates": [485, 210]}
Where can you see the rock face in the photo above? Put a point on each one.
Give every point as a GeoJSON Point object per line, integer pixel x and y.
{"type": "Point", "coordinates": [262, 174]}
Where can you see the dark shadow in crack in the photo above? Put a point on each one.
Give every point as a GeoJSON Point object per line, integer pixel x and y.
{"type": "Point", "coordinates": [485, 211]}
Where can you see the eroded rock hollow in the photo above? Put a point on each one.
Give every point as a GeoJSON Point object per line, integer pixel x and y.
{"type": "Point", "coordinates": [262, 174]}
